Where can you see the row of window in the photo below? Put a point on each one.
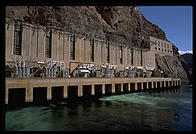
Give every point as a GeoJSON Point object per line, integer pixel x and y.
{"type": "Point", "coordinates": [161, 44]}
{"type": "Point", "coordinates": [48, 48]}
{"type": "Point", "coordinates": [163, 49]}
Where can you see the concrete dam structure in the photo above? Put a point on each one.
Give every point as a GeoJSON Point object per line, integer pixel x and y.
{"type": "Point", "coordinates": [44, 63]}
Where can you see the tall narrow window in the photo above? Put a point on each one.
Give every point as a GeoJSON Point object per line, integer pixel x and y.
{"type": "Point", "coordinates": [132, 56]}
{"type": "Point", "coordinates": [72, 47]}
{"type": "Point", "coordinates": [17, 39]}
{"type": "Point", "coordinates": [141, 58]}
{"type": "Point", "coordinates": [121, 55]}
{"type": "Point", "coordinates": [108, 52]}
{"type": "Point", "coordinates": [48, 43]}
{"type": "Point", "coordinates": [92, 49]}
{"type": "Point", "coordinates": [102, 53]}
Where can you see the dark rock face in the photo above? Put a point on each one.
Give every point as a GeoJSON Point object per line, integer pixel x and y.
{"type": "Point", "coordinates": [174, 66]}
{"type": "Point", "coordinates": [188, 58]}
{"type": "Point", "coordinates": [115, 23]}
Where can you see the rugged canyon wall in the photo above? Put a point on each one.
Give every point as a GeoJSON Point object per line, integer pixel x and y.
{"type": "Point", "coordinates": [116, 23]}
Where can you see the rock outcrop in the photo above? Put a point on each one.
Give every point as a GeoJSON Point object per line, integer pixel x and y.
{"type": "Point", "coordinates": [188, 58]}
{"type": "Point", "coordinates": [116, 23]}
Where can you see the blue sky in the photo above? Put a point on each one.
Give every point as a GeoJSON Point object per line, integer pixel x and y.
{"type": "Point", "coordinates": [175, 21]}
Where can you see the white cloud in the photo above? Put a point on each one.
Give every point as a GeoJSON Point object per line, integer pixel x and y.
{"type": "Point", "coordinates": [183, 52]}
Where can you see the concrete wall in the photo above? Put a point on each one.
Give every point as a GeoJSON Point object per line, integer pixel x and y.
{"type": "Point", "coordinates": [9, 39]}
{"type": "Point", "coordinates": [161, 47]}
{"type": "Point", "coordinates": [33, 48]}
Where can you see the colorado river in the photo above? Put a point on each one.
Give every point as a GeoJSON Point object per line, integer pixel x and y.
{"type": "Point", "coordinates": [165, 110]}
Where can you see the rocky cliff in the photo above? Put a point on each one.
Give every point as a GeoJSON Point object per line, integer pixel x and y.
{"type": "Point", "coordinates": [117, 23]}
{"type": "Point", "coordinates": [188, 58]}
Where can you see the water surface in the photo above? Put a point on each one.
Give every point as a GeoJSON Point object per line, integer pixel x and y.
{"type": "Point", "coordinates": [165, 110]}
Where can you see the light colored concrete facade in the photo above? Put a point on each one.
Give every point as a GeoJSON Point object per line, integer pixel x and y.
{"type": "Point", "coordinates": [33, 48]}
{"type": "Point", "coordinates": [161, 47]}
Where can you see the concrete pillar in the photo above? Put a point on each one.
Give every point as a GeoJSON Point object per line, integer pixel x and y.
{"type": "Point", "coordinates": [49, 93]}
{"type": "Point", "coordinates": [113, 88]}
{"type": "Point", "coordinates": [161, 84]}
{"type": "Point", "coordinates": [121, 87]}
{"type": "Point", "coordinates": [92, 89]}
{"type": "Point", "coordinates": [80, 90]}
{"type": "Point", "coordinates": [147, 86]}
{"type": "Point", "coordinates": [103, 88]}
{"type": "Point", "coordinates": [136, 86]}
{"type": "Point", "coordinates": [129, 87]}
{"type": "Point", "coordinates": [6, 95]}
{"type": "Point", "coordinates": [168, 83]}
{"type": "Point", "coordinates": [152, 84]}
{"type": "Point", "coordinates": [171, 84]}
{"type": "Point", "coordinates": [142, 85]}
{"type": "Point", "coordinates": [29, 94]}
{"type": "Point", "coordinates": [65, 93]}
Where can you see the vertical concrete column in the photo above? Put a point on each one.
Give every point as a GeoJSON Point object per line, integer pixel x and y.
{"type": "Point", "coordinates": [152, 84]}
{"type": "Point", "coordinates": [65, 93]}
{"type": "Point", "coordinates": [168, 83]}
{"type": "Point", "coordinates": [49, 93]}
{"type": "Point", "coordinates": [121, 87]}
{"type": "Point", "coordinates": [129, 87]}
{"type": "Point", "coordinates": [136, 86]}
{"type": "Point", "coordinates": [164, 83]}
{"type": "Point", "coordinates": [103, 88]}
{"type": "Point", "coordinates": [147, 86]}
{"type": "Point", "coordinates": [160, 84]}
{"type": "Point", "coordinates": [113, 88]}
{"type": "Point", "coordinates": [171, 84]}
{"type": "Point", "coordinates": [80, 90]}
{"type": "Point", "coordinates": [6, 94]}
{"type": "Point", "coordinates": [92, 89]}
{"type": "Point", "coordinates": [142, 85]}
{"type": "Point", "coordinates": [29, 93]}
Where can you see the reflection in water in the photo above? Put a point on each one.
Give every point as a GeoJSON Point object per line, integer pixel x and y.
{"type": "Point", "coordinates": [161, 110]}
